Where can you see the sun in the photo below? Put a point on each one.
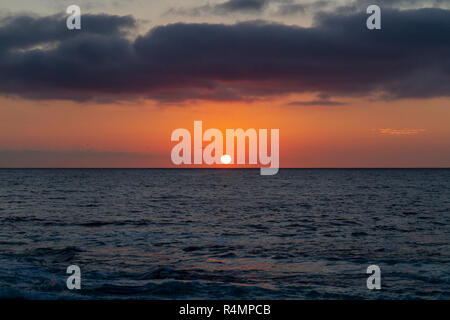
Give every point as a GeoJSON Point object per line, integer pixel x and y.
{"type": "Point", "coordinates": [225, 159]}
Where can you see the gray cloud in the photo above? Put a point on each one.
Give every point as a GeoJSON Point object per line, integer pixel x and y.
{"type": "Point", "coordinates": [227, 7]}
{"type": "Point", "coordinates": [242, 5]}
{"type": "Point", "coordinates": [89, 4]}
{"type": "Point", "coordinates": [338, 56]}
{"type": "Point", "coordinates": [74, 159]}
{"type": "Point", "coordinates": [316, 103]}
{"type": "Point", "coordinates": [25, 31]}
{"type": "Point", "coordinates": [295, 7]}
{"type": "Point", "coordinates": [401, 4]}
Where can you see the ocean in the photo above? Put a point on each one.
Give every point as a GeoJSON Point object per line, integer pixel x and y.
{"type": "Point", "coordinates": [225, 233]}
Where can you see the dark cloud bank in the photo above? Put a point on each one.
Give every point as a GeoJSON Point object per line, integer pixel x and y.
{"type": "Point", "coordinates": [338, 56]}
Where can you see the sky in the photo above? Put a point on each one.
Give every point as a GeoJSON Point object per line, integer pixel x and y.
{"type": "Point", "coordinates": [110, 94]}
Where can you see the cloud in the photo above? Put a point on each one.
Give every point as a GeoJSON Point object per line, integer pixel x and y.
{"type": "Point", "coordinates": [400, 132]}
{"type": "Point", "coordinates": [293, 8]}
{"type": "Point", "coordinates": [317, 102]}
{"type": "Point", "coordinates": [400, 4]}
{"type": "Point", "coordinates": [241, 5]}
{"type": "Point", "coordinates": [322, 99]}
{"type": "Point", "coordinates": [338, 56]}
{"type": "Point", "coordinates": [225, 8]}
{"type": "Point", "coordinates": [74, 159]}
{"type": "Point", "coordinates": [89, 4]}
{"type": "Point", "coordinates": [24, 31]}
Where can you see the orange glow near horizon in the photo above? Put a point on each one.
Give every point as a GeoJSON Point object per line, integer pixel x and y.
{"type": "Point", "coordinates": [359, 134]}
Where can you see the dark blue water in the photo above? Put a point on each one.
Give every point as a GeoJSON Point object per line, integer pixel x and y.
{"type": "Point", "coordinates": [212, 234]}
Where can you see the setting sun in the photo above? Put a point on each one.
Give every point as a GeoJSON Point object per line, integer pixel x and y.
{"type": "Point", "coordinates": [225, 159]}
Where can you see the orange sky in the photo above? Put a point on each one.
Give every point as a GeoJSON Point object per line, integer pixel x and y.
{"type": "Point", "coordinates": [356, 132]}
{"type": "Point", "coordinates": [416, 132]}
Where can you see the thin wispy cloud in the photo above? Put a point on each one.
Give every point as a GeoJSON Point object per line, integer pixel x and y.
{"type": "Point", "coordinates": [300, 7]}
{"type": "Point", "coordinates": [224, 8]}
{"type": "Point", "coordinates": [400, 132]}
{"type": "Point", "coordinates": [316, 103]}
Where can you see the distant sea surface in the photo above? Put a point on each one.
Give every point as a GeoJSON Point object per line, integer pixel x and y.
{"type": "Point", "coordinates": [225, 234]}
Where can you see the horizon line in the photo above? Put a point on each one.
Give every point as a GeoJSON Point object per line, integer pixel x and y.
{"type": "Point", "coordinates": [215, 168]}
